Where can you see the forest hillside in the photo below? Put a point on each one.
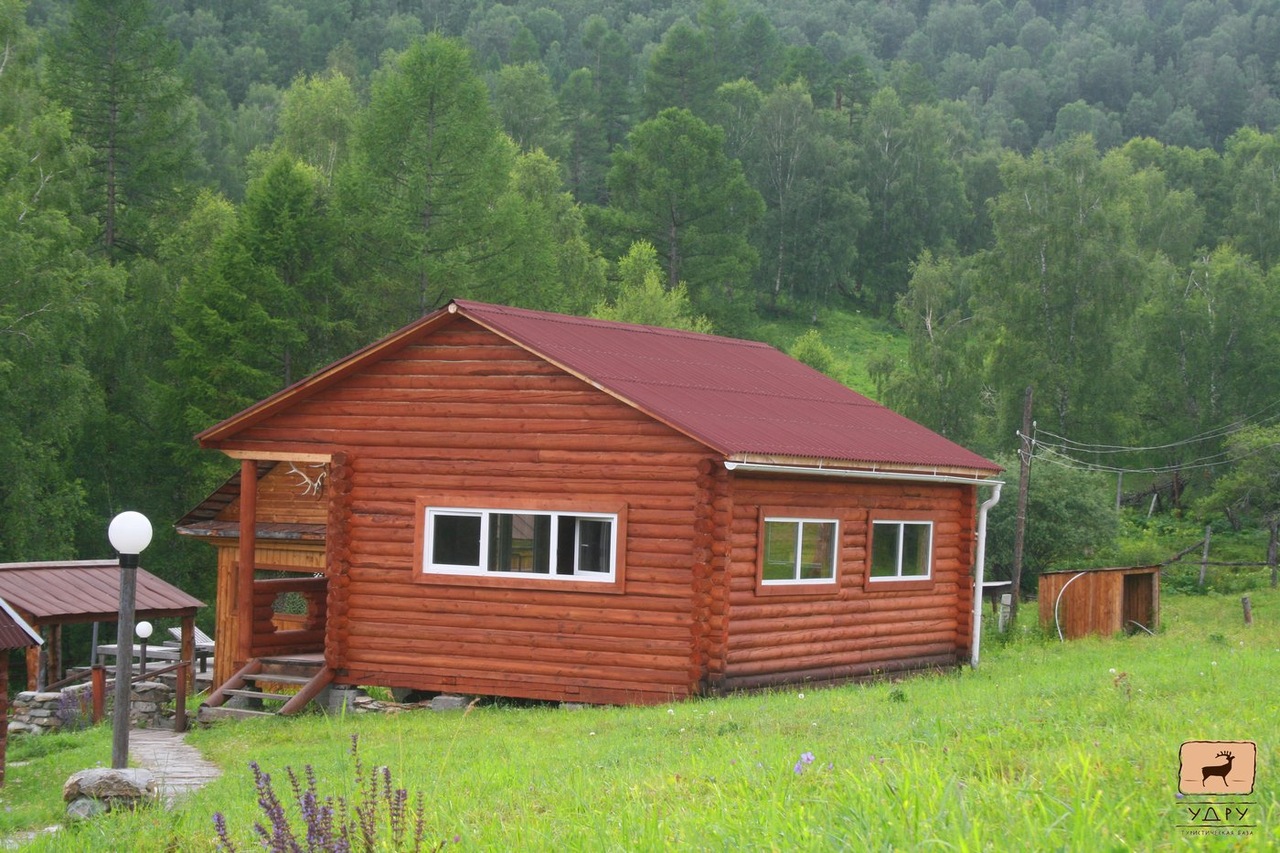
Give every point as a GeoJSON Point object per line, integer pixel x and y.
{"type": "Point", "coordinates": [944, 204]}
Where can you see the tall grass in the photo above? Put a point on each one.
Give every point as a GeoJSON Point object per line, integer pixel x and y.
{"type": "Point", "coordinates": [1047, 745]}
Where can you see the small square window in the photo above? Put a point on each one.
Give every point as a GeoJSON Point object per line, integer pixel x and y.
{"type": "Point", "coordinates": [901, 550]}
{"type": "Point", "coordinates": [799, 550]}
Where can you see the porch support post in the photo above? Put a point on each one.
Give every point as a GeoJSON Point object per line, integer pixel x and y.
{"type": "Point", "coordinates": [248, 553]}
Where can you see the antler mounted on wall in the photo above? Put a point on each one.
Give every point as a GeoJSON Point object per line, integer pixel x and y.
{"type": "Point", "coordinates": [309, 484]}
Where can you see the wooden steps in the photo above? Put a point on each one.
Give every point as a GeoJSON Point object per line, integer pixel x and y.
{"type": "Point", "coordinates": [266, 680]}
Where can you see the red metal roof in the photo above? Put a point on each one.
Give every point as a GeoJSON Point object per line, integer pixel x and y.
{"type": "Point", "coordinates": [742, 398]}
{"type": "Point", "coordinates": [85, 591]}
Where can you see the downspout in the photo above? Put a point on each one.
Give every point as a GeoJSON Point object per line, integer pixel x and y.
{"type": "Point", "coordinates": [980, 570]}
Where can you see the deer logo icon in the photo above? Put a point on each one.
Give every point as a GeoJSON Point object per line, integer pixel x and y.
{"type": "Point", "coordinates": [1217, 769]}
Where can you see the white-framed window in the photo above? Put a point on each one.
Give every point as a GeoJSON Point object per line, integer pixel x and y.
{"type": "Point", "coordinates": [799, 550]}
{"type": "Point", "coordinates": [901, 550]}
{"type": "Point", "coordinates": [520, 543]}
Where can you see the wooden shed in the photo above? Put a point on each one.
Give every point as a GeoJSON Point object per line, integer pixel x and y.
{"type": "Point", "coordinates": [509, 502]}
{"type": "Point", "coordinates": [1100, 601]}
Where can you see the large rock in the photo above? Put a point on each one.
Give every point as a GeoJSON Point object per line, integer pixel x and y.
{"type": "Point", "coordinates": [90, 792]}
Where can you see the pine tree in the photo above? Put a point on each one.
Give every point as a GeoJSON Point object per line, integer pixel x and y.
{"type": "Point", "coordinates": [418, 195]}
{"type": "Point", "coordinates": [115, 70]}
{"type": "Point", "coordinates": [674, 187]}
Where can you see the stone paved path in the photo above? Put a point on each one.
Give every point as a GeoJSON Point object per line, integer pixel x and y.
{"type": "Point", "coordinates": [178, 768]}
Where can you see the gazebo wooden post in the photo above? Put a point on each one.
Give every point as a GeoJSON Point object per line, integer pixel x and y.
{"type": "Point", "coordinates": [185, 669]}
{"type": "Point", "coordinates": [188, 650]}
{"type": "Point", "coordinates": [248, 553]}
{"type": "Point", "coordinates": [53, 654]}
{"type": "Point", "coordinates": [33, 662]}
{"type": "Point", "coordinates": [98, 675]}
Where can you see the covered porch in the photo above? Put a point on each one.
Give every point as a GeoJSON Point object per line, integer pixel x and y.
{"type": "Point", "coordinates": [267, 524]}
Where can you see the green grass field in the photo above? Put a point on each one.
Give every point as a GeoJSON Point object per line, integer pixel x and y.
{"type": "Point", "coordinates": [1047, 746]}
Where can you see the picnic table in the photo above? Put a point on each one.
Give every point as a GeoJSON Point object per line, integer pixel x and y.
{"type": "Point", "coordinates": [169, 650]}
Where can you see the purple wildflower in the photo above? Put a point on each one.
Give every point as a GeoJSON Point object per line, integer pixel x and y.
{"type": "Point", "coordinates": [332, 825]}
{"type": "Point", "coordinates": [220, 825]}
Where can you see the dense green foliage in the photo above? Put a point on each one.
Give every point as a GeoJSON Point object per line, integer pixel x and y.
{"type": "Point", "coordinates": [204, 202]}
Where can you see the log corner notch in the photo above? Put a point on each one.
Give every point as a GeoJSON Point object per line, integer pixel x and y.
{"type": "Point", "coordinates": [338, 561]}
{"type": "Point", "coordinates": [713, 519]}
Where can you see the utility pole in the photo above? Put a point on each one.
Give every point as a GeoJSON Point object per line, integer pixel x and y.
{"type": "Point", "coordinates": [1025, 449]}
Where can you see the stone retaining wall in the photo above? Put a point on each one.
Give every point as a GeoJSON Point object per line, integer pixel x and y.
{"type": "Point", "coordinates": [36, 713]}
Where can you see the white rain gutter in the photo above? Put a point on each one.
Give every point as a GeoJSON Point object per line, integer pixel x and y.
{"type": "Point", "coordinates": [979, 567]}
{"type": "Point", "coordinates": [980, 570]}
{"type": "Point", "coordinates": [854, 474]}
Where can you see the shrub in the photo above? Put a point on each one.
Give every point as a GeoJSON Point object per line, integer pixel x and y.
{"type": "Point", "coordinates": [810, 349]}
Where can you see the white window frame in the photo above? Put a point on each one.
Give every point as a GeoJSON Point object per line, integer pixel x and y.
{"type": "Point", "coordinates": [795, 579]}
{"type": "Point", "coordinates": [429, 566]}
{"type": "Point", "coordinates": [898, 525]}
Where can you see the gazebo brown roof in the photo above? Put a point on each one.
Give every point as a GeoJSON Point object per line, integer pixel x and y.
{"type": "Point", "coordinates": [65, 592]}
{"type": "Point", "coordinates": [86, 591]}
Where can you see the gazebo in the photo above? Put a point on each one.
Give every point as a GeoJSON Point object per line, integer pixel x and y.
{"type": "Point", "coordinates": [48, 595]}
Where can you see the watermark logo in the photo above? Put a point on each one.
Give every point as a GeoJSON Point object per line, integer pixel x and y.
{"type": "Point", "coordinates": [1215, 781]}
{"type": "Point", "coordinates": [1217, 767]}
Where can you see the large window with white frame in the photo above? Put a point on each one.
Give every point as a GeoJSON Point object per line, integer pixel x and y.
{"type": "Point", "coordinates": [520, 543]}
{"type": "Point", "coordinates": [799, 550]}
{"type": "Point", "coordinates": [901, 550]}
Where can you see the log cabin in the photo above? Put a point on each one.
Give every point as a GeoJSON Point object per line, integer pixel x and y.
{"type": "Point", "coordinates": [507, 502]}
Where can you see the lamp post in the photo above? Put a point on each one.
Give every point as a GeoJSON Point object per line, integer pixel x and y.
{"type": "Point", "coordinates": [143, 630]}
{"type": "Point", "coordinates": [130, 534]}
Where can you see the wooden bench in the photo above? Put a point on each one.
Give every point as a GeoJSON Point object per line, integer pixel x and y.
{"type": "Point", "coordinates": [203, 641]}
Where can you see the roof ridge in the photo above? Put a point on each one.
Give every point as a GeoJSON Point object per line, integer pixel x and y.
{"type": "Point", "coordinates": [471, 305]}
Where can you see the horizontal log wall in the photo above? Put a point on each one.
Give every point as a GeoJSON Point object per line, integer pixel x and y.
{"type": "Point", "coordinates": [848, 631]}
{"type": "Point", "coordinates": [469, 416]}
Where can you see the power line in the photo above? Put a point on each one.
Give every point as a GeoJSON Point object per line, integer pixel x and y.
{"type": "Point", "coordinates": [1064, 451]}
{"type": "Point", "coordinates": [1063, 460]}
{"type": "Point", "coordinates": [1216, 432]}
